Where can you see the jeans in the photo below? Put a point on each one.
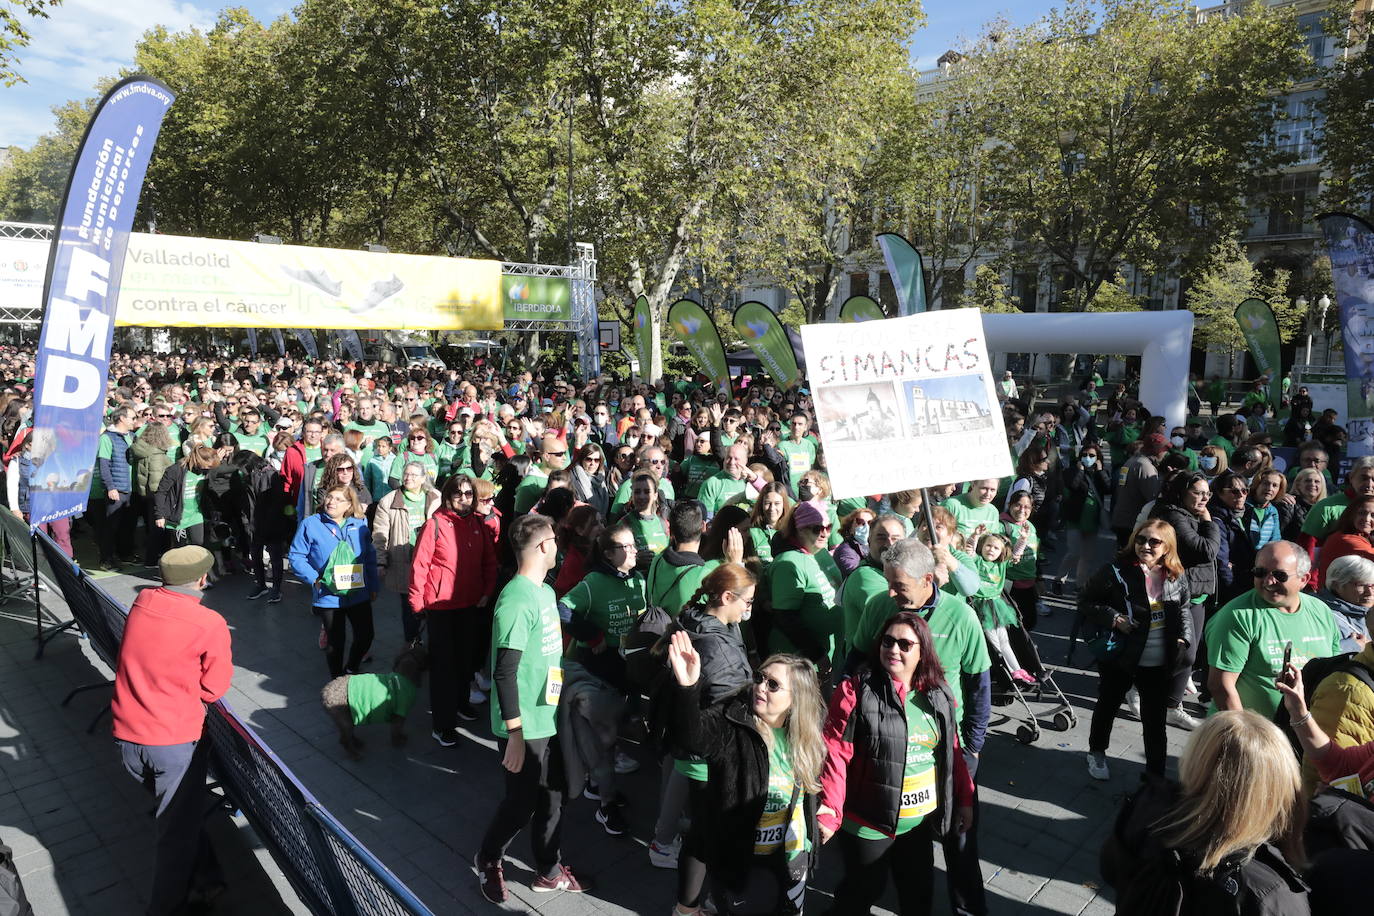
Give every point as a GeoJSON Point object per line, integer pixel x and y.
{"type": "Point", "coordinates": [534, 798]}
{"type": "Point", "coordinates": [183, 858]}
{"type": "Point", "coordinates": [359, 617]}
{"type": "Point", "coordinates": [1152, 684]}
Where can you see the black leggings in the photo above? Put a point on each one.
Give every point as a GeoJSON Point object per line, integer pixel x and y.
{"type": "Point", "coordinates": [691, 864]}
{"type": "Point", "coordinates": [1027, 601]}
{"type": "Point", "coordinates": [1183, 665]}
{"type": "Point", "coordinates": [450, 662]}
{"type": "Point", "coordinates": [359, 617]}
{"type": "Point", "coordinates": [911, 859]}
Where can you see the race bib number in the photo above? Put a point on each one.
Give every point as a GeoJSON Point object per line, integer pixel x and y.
{"type": "Point", "coordinates": [348, 578]}
{"type": "Point", "coordinates": [770, 832]}
{"type": "Point", "coordinates": [918, 795]}
{"type": "Point", "coordinates": [1156, 615]}
{"type": "Point", "coordinates": [799, 462]}
{"type": "Point", "coordinates": [553, 689]}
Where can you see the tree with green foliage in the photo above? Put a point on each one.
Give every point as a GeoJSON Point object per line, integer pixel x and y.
{"type": "Point", "coordinates": [14, 33]}
{"type": "Point", "coordinates": [988, 293]}
{"type": "Point", "coordinates": [31, 186]}
{"type": "Point", "coordinates": [1347, 139]}
{"type": "Point", "coordinates": [1137, 127]}
{"type": "Point", "coordinates": [1226, 281]}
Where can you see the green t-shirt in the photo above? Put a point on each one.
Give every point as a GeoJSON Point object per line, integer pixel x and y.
{"type": "Point", "coordinates": [622, 494]}
{"type": "Point", "coordinates": [696, 469]}
{"type": "Point", "coordinates": [609, 603]}
{"type": "Point", "coordinates": [1024, 568]}
{"type": "Point", "coordinates": [650, 533]}
{"type": "Point", "coordinates": [920, 797]}
{"type": "Point", "coordinates": [1226, 445]}
{"type": "Point", "coordinates": [863, 583]}
{"type": "Point", "coordinates": [415, 513]}
{"type": "Point", "coordinates": [721, 490]}
{"type": "Point", "coordinates": [530, 489]}
{"type": "Point", "coordinates": [1322, 518]}
{"type": "Point", "coordinates": [451, 457]}
{"type": "Point", "coordinates": [798, 585]}
{"type": "Point", "coordinates": [801, 457]}
{"type": "Point", "coordinates": [955, 630]}
{"type": "Point", "coordinates": [375, 698]}
{"type": "Point", "coordinates": [992, 576]}
{"type": "Point", "coordinates": [969, 517]}
{"type": "Point", "coordinates": [853, 503]}
{"type": "Point", "coordinates": [312, 453]}
{"type": "Point", "coordinates": [1248, 637]}
{"type": "Point", "coordinates": [775, 831]}
{"type": "Point", "coordinates": [670, 587]}
{"type": "Point", "coordinates": [190, 502]}
{"type": "Point", "coordinates": [371, 431]}
{"type": "Point", "coordinates": [526, 618]}
{"type": "Point", "coordinates": [398, 465]}
{"type": "Point", "coordinates": [762, 539]}
{"type": "Point", "coordinates": [1187, 453]}
{"type": "Point", "coordinates": [1119, 438]}
{"type": "Point", "coordinates": [258, 444]}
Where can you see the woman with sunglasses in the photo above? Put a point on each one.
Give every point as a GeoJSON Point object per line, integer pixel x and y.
{"type": "Point", "coordinates": [418, 449]}
{"type": "Point", "coordinates": [894, 780]}
{"type": "Point", "coordinates": [1235, 554]}
{"type": "Point", "coordinates": [395, 530]}
{"type": "Point", "coordinates": [622, 466]}
{"type": "Point", "coordinates": [1141, 600]}
{"type": "Point", "coordinates": [764, 751]}
{"type": "Point", "coordinates": [589, 478]}
{"type": "Point", "coordinates": [452, 580]}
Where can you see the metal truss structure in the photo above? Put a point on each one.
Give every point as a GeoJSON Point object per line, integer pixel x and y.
{"type": "Point", "coordinates": [10, 314]}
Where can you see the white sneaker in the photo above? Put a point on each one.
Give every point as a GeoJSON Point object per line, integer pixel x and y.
{"type": "Point", "coordinates": [1097, 766]}
{"type": "Point", "coordinates": [624, 763]}
{"type": "Point", "coordinates": [1178, 717]}
{"type": "Point", "coordinates": [1133, 702]}
{"type": "Point", "coordinates": [476, 697]}
{"type": "Point", "coordinates": [664, 856]}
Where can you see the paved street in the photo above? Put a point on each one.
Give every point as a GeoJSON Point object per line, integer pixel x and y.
{"type": "Point", "coordinates": [80, 828]}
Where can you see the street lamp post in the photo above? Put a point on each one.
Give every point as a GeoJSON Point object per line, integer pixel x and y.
{"type": "Point", "coordinates": [1301, 303]}
{"type": "Point", "coordinates": [1324, 303]}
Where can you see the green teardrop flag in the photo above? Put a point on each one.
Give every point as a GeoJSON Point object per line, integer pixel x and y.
{"type": "Point", "coordinates": [760, 328]}
{"type": "Point", "coordinates": [643, 336]}
{"type": "Point", "coordinates": [904, 266]}
{"type": "Point", "coordinates": [1256, 320]}
{"type": "Point", "coordinates": [860, 308]}
{"type": "Point", "coordinates": [695, 329]}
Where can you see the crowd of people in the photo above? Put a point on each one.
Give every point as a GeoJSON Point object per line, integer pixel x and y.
{"type": "Point", "coordinates": [593, 559]}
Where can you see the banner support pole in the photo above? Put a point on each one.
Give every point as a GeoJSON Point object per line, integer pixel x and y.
{"type": "Point", "coordinates": [928, 513]}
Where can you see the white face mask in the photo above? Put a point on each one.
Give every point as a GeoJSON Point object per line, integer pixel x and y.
{"type": "Point", "coordinates": [632, 441]}
{"type": "Point", "coordinates": [1177, 441]}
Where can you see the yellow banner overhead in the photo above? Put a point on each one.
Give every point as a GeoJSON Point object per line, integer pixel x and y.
{"type": "Point", "coordinates": [173, 281]}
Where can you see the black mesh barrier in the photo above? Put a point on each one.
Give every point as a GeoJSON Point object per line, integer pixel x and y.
{"type": "Point", "coordinates": [329, 869]}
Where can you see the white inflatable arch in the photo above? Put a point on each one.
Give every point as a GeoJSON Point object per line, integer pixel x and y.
{"type": "Point", "coordinates": [1163, 340]}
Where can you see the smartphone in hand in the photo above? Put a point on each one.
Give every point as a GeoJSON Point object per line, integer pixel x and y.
{"type": "Point", "coordinates": [1287, 655]}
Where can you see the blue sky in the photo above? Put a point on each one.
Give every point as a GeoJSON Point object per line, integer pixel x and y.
{"type": "Point", "coordinates": [87, 39]}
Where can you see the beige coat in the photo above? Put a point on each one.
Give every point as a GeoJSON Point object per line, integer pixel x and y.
{"type": "Point", "coordinates": [391, 537]}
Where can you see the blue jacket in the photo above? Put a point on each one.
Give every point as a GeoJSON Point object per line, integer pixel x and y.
{"type": "Point", "coordinates": [315, 541]}
{"type": "Point", "coordinates": [114, 471]}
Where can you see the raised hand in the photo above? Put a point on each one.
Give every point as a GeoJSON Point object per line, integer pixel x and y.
{"type": "Point", "coordinates": [683, 659]}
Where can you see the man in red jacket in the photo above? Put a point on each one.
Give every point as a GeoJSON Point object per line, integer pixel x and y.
{"type": "Point", "coordinates": [174, 659]}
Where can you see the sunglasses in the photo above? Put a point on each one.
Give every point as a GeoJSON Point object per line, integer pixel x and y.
{"type": "Point", "coordinates": [557, 454]}
{"type": "Point", "coordinates": [487, 499]}
{"type": "Point", "coordinates": [464, 493]}
{"type": "Point", "coordinates": [1259, 572]}
{"type": "Point", "coordinates": [773, 684]}
{"type": "Point", "coordinates": [344, 467]}
{"type": "Point", "coordinates": [906, 645]}
{"type": "Point", "coordinates": [591, 459]}
{"type": "Point", "coordinates": [1143, 541]}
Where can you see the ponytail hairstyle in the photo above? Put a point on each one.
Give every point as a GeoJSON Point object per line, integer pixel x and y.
{"type": "Point", "coordinates": [728, 577]}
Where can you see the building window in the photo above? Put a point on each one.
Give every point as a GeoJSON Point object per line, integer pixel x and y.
{"type": "Point", "coordinates": [1282, 204]}
{"type": "Point", "coordinates": [858, 284]}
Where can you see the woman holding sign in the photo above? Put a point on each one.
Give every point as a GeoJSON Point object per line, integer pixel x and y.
{"type": "Point", "coordinates": [894, 777]}
{"type": "Point", "coordinates": [333, 551]}
{"type": "Point", "coordinates": [764, 749]}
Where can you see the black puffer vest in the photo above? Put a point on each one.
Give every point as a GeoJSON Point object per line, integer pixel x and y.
{"type": "Point", "coordinates": [877, 729]}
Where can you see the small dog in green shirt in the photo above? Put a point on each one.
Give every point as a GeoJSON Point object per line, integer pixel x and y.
{"type": "Point", "coordinates": [369, 699]}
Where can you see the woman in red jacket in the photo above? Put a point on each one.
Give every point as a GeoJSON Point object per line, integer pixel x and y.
{"type": "Point", "coordinates": [894, 777]}
{"type": "Point", "coordinates": [452, 577]}
{"type": "Point", "coordinates": [1352, 535]}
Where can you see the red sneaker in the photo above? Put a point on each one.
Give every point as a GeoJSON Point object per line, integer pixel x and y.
{"type": "Point", "coordinates": [492, 878]}
{"type": "Point", "coordinates": [562, 881]}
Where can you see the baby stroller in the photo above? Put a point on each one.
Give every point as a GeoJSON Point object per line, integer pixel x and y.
{"type": "Point", "coordinates": [1006, 690]}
